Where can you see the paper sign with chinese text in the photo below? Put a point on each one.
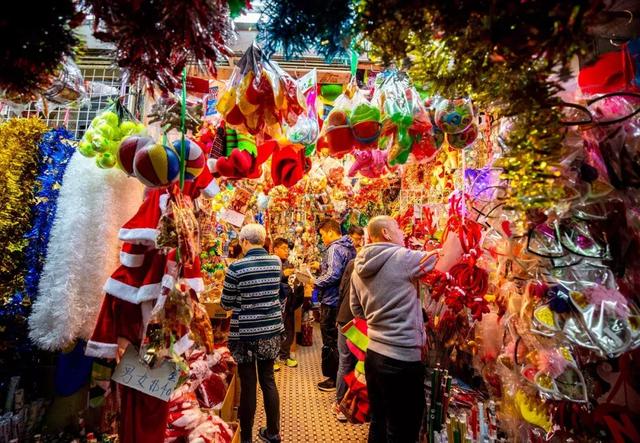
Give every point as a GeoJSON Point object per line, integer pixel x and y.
{"type": "Point", "coordinates": [159, 382]}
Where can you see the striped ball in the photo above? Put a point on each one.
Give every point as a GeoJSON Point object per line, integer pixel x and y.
{"type": "Point", "coordinates": [128, 149]}
{"type": "Point", "coordinates": [156, 165]}
{"type": "Point", "coordinates": [195, 160]}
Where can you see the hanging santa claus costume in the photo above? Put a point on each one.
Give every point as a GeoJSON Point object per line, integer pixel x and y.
{"type": "Point", "coordinates": [131, 292]}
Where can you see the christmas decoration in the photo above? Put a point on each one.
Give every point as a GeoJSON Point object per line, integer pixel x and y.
{"type": "Point", "coordinates": [33, 51]}
{"type": "Point", "coordinates": [156, 39]}
{"type": "Point", "coordinates": [297, 26]}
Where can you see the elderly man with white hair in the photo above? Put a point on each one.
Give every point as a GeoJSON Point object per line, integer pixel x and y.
{"type": "Point", "coordinates": [383, 291]}
{"type": "Point", "coordinates": [251, 290]}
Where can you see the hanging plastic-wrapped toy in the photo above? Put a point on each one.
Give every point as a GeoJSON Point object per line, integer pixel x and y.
{"type": "Point", "coordinates": [307, 129]}
{"type": "Point", "coordinates": [336, 129]}
{"type": "Point", "coordinates": [260, 96]}
{"type": "Point", "coordinates": [406, 124]}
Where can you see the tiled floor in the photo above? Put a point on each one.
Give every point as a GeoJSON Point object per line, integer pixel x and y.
{"type": "Point", "coordinates": [306, 412]}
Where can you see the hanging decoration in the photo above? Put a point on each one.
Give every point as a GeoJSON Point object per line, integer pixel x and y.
{"type": "Point", "coordinates": [32, 54]}
{"type": "Point", "coordinates": [19, 158]}
{"type": "Point", "coordinates": [298, 26]}
{"type": "Point", "coordinates": [156, 39]}
{"type": "Point", "coordinates": [56, 148]}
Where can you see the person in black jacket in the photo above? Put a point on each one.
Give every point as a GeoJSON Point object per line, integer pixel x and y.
{"type": "Point", "coordinates": [291, 298]}
{"type": "Point", "coordinates": [346, 360]}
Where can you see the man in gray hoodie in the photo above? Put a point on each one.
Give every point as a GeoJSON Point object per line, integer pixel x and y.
{"type": "Point", "coordinates": [383, 291]}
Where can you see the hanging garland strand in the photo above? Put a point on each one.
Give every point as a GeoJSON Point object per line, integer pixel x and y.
{"type": "Point", "coordinates": [35, 39]}
{"type": "Point", "coordinates": [298, 26]}
{"type": "Point", "coordinates": [56, 148]}
{"type": "Point", "coordinates": [19, 159]}
{"type": "Point", "coordinates": [155, 39]}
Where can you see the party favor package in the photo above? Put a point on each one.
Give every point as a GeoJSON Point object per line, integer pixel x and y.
{"type": "Point", "coordinates": [260, 96]}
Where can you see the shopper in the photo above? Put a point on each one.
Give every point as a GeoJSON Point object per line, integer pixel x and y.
{"type": "Point", "coordinates": [340, 251]}
{"type": "Point", "coordinates": [292, 299]}
{"type": "Point", "coordinates": [346, 360]}
{"type": "Point", "coordinates": [251, 289]}
{"type": "Point", "coordinates": [356, 233]}
{"type": "Point", "coordinates": [383, 292]}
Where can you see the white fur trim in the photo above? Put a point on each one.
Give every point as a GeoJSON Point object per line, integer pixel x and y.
{"type": "Point", "coordinates": [197, 284]}
{"type": "Point", "coordinates": [82, 251]}
{"type": "Point", "coordinates": [101, 350]}
{"type": "Point", "coordinates": [145, 236]}
{"type": "Point", "coordinates": [168, 281]}
{"type": "Point", "coordinates": [163, 201]}
{"type": "Point", "coordinates": [130, 293]}
{"type": "Point", "coordinates": [211, 190]}
{"type": "Point", "coordinates": [131, 260]}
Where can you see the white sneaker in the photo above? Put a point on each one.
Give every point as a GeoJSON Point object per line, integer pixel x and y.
{"type": "Point", "coordinates": [338, 413]}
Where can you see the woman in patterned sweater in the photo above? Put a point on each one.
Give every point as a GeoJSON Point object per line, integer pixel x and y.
{"type": "Point", "coordinates": [251, 289]}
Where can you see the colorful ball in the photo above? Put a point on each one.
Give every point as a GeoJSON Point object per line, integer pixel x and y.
{"type": "Point", "coordinates": [454, 116]}
{"type": "Point", "coordinates": [195, 160]}
{"type": "Point", "coordinates": [463, 139]}
{"type": "Point", "coordinates": [127, 151]}
{"type": "Point", "coordinates": [156, 165]}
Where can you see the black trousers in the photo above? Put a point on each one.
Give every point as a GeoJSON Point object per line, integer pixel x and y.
{"type": "Point", "coordinates": [247, 409]}
{"type": "Point", "coordinates": [396, 398]}
{"type": "Point", "coordinates": [329, 331]}
{"type": "Point", "coordinates": [289, 320]}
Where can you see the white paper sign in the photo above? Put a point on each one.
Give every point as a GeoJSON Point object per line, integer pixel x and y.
{"type": "Point", "coordinates": [159, 382]}
{"type": "Point", "coordinates": [233, 217]}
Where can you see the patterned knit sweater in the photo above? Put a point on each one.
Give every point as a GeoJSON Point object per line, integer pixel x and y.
{"type": "Point", "coordinates": [251, 289]}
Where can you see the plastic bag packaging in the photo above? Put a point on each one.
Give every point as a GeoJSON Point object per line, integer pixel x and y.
{"type": "Point", "coordinates": [306, 129]}
{"type": "Point", "coordinates": [260, 96]}
{"type": "Point", "coordinates": [68, 86]}
{"type": "Point", "coordinates": [365, 120]}
{"type": "Point", "coordinates": [405, 121]}
{"type": "Point", "coordinates": [336, 129]}
{"type": "Point", "coordinates": [105, 133]}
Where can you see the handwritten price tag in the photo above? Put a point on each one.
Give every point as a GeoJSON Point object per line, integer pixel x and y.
{"type": "Point", "coordinates": [159, 382]}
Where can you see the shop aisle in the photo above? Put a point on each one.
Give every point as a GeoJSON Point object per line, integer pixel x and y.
{"type": "Point", "coordinates": [306, 412]}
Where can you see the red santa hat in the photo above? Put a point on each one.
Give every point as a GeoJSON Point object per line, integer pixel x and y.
{"type": "Point", "coordinates": [242, 164]}
{"type": "Point", "coordinates": [142, 228]}
{"type": "Point", "coordinates": [288, 165]}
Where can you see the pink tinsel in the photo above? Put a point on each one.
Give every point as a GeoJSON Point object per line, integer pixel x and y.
{"type": "Point", "coordinates": [599, 295]}
{"type": "Point", "coordinates": [551, 362]}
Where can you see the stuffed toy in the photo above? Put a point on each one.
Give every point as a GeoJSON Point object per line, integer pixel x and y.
{"type": "Point", "coordinates": [371, 164]}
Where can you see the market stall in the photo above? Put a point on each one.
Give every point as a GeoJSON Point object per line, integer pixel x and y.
{"type": "Point", "coordinates": [505, 138]}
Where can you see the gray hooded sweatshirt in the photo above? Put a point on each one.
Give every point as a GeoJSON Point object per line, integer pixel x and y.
{"type": "Point", "coordinates": [383, 291]}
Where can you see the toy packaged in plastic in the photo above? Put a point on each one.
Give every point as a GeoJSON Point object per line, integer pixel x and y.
{"type": "Point", "coordinates": [306, 129]}
{"type": "Point", "coordinates": [336, 129]}
{"type": "Point", "coordinates": [405, 120]}
{"type": "Point", "coordinates": [260, 96]}
{"type": "Point", "coordinates": [365, 121]}
{"type": "Point", "coordinates": [105, 133]}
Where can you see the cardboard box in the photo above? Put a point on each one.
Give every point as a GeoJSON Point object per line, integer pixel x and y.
{"type": "Point", "coordinates": [215, 311]}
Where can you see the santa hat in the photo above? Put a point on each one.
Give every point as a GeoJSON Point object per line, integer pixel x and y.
{"type": "Point", "coordinates": [141, 283]}
{"type": "Point", "coordinates": [242, 164]}
{"type": "Point", "coordinates": [205, 184]}
{"type": "Point", "coordinates": [142, 228]}
{"type": "Point", "coordinates": [288, 165]}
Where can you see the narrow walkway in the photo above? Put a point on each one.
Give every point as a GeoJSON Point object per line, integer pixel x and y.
{"type": "Point", "coordinates": [306, 412]}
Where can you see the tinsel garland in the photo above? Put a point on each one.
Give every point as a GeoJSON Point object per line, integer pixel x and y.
{"type": "Point", "coordinates": [508, 55]}
{"type": "Point", "coordinates": [297, 26]}
{"type": "Point", "coordinates": [19, 159]}
{"type": "Point", "coordinates": [56, 149]}
{"type": "Point", "coordinates": [155, 39]}
{"type": "Point", "coordinates": [35, 38]}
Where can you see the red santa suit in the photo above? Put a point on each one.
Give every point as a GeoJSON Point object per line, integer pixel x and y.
{"type": "Point", "coordinates": [130, 295]}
